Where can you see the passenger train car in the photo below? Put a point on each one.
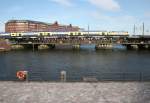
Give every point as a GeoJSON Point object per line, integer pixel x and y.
{"type": "Point", "coordinates": [67, 34]}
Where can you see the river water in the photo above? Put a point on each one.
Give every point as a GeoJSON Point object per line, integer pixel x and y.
{"type": "Point", "coordinates": [102, 64]}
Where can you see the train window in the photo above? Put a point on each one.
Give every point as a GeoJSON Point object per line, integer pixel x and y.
{"type": "Point", "coordinates": [79, 33]}
{"type": "Point", "coordinates": [48, 34]}
{"type": "Point", "coordinates": [41, 34]}
{"type": "Point", "coordinates": [103, 33]}
{"type": "Point", "coordinates": [19, 35]}
{"type": "Point", "coordinates": [13, 34]}
{"type": "Point", "coordinates": [71, 34]}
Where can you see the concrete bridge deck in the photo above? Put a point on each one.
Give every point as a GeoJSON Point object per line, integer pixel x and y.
{"type": "Point", "coordinates": [100, 92]}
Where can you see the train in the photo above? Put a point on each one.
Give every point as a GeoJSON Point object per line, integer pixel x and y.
{"type": "Point", "coordinates": [76, 33]}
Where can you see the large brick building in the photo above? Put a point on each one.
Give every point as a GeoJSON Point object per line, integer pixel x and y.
{"type": "Point", "coordinates": [36, 26]}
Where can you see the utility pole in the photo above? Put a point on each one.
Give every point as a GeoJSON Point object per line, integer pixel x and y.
{"type": "Point", "coordinates": [134, 30]}
{"type": "Point", "coordinates": [143, 28]}
{"type": "Point", "coordinates": [88, 29]}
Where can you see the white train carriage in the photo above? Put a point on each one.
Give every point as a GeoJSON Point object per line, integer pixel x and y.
{"type": "Point", "coordinates": [4, 34]}
{"type": "Point", "coordinates": [60, 33]}
{"type": "Point", "coordinates": [78, 33]}
{"type": "Point", "coordinates": [94, 33]}
{"type": "Point", "coordinates": [66, 34]}
{"type": "Point", "coordinates": [30, 35]}
{"type": "Point", "coordinates": [118, 33]}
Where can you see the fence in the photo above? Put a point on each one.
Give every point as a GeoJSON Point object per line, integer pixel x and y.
{"type": "Point", "coordinates": [92, 77]}
{"type": "Point", "coordinates": [86, 77]}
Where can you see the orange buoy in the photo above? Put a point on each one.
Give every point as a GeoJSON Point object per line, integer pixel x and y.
{"type": "Point", "coordinates": [21, 75]}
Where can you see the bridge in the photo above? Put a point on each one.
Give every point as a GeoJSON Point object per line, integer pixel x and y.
{"type": "Point", "coordinates": [75, 42]}
{"type": "Point", "coordinates": [100, 41]}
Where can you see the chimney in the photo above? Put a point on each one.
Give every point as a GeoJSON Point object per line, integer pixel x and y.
{"type": "Point", "coordinates": [70, 25]}
{"type": "Point", "coordinates": [56, 23]}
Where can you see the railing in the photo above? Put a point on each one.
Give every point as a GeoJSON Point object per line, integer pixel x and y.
{"type": "Point", "coordinates": [110, 77]}
{"type": "Point", "coordinates": [94, 77]}
{"type": "Point", "coordinates": [82, 77]}
{"type": "Point", "coordinates": [65, 42]}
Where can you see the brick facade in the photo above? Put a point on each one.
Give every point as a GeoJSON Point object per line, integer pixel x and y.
{"type": "Point", "coordinates": [36, 26]}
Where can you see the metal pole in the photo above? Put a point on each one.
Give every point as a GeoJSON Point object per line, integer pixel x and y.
{"type": "Point", "coordinates": [134, 30]}
{"type": "Point", "coordinates": [143, 28]}
{"type": "Point", "coordinates": [63, 76]}
{"type": "Point", "coordinates": [27, 78]}
{"type": "Point", "coordinates": [88, 29]}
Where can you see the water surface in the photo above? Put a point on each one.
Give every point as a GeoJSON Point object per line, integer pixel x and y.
{"type": "Point", "coordinates": [102, 64]}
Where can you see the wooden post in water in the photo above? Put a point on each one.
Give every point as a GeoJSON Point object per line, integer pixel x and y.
{"type": "Point", "coordinates": [63, 76]}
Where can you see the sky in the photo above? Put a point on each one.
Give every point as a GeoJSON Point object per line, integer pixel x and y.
{"type": "Point", "coordinates": [110, 15]}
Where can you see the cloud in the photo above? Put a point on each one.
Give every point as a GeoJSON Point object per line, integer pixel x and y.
{"type": "Point", "coordinates": [116, 22]}
{"type": "Point", "coordinates": [120, 19]}
{"type": "Point", "coordinates": [63, 2]}
{"type": "Point", "coordinates": [110, 5]}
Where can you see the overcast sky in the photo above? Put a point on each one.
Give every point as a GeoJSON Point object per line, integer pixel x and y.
{"type": "Point", "coordinates": [116, 15]}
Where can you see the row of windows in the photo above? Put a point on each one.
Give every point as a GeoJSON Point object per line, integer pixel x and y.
{"type": "Point", "coordinates": [15, 24]}
{"type": "Point", "coordinates": [38, 29]}
{"type": "Point", "coordinates": [16, 27]}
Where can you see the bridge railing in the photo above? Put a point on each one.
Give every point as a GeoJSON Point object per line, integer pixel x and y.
{"type": "Point", "coordinates": [66, 41]}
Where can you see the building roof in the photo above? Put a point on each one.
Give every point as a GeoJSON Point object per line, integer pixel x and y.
{"type": "Point", "coordinates": [18, 21]}
{"type": "Point", "coordinates": [50, 24]}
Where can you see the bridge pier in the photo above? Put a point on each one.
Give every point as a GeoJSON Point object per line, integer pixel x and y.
{"type": "Point", "coordinates": [17, 47]}
{"type": "Point", "coordinates": [76, 47]}
{"type": "Point", "coordinates": [43, 47]}
{"type": "Point", "coordinates": [137, 46]}
{"type": "Point", "coordinates": [31, 46]}
{"type": "Point", "coordinates": [144, 46]}
{"type": "Point", "coordinates": [62, 46]}
{"type": "Point", "coordinates": [148, 47]}
{"type": "Point", "coordinates": [131, 47]}
{"type": "Point", "coordinates": [103, 46]}
{"type": "Point", "coordinates": [51, 46]}
{"type": "Point", "coordinates": [141, 47]}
